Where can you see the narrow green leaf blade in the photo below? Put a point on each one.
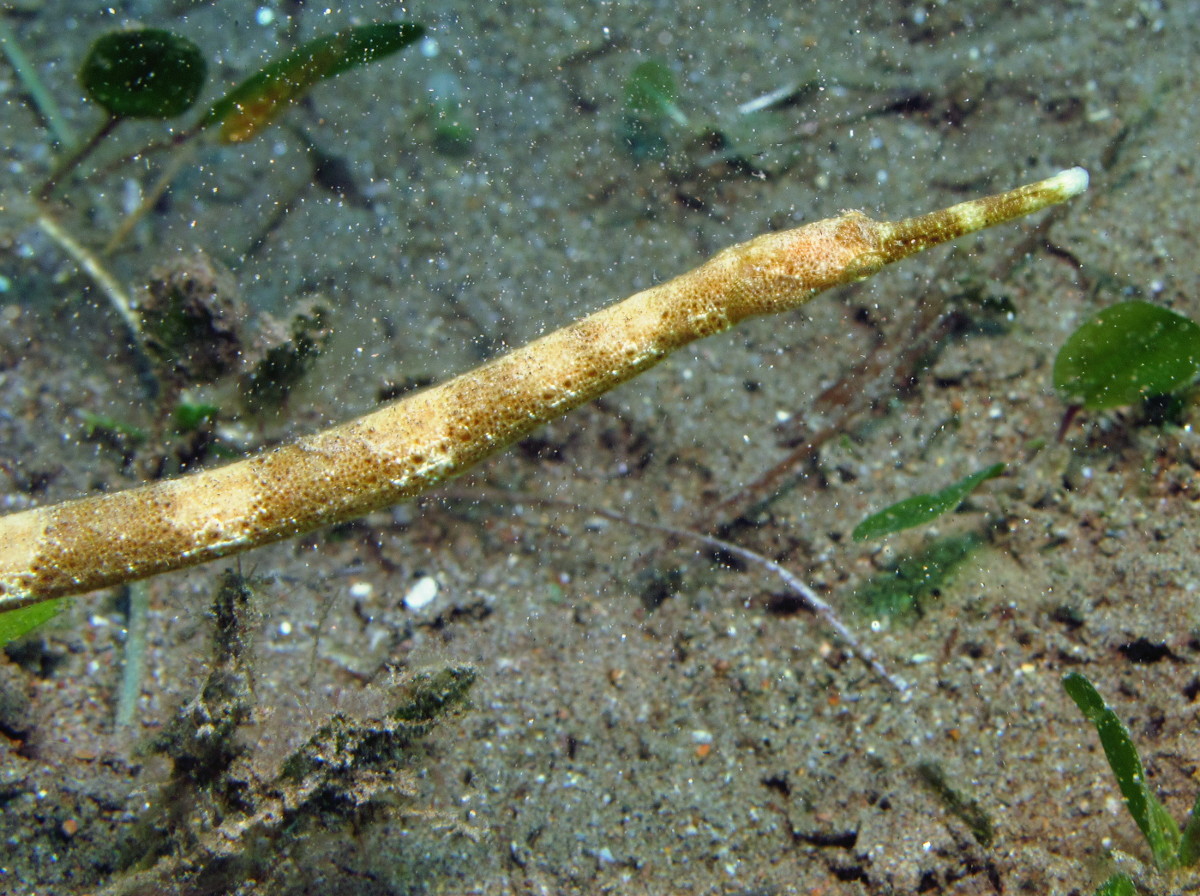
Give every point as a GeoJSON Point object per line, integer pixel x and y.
{"type": "Point", "coordinates": [1127, 352]}
{"type": "Point", "coordinates": [18, 623]}
{"type": "Point", "coordinates": [1117, 885]}
{"type": "Point", "coordinates": [651, 93]}
{"type": "Point", "coordinates": [1189, 845]}
{"type": "Point", "coordinates": [1086, 697]}
{"type": "Point", "coordinates": [921, 509]}
{"type": "Point", "coordinates": [259, 100]}
{"type": "Point", "coordinates": [1157, 826]}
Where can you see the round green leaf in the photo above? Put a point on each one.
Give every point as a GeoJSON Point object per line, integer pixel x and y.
{"type": "Point", "coordinates": [1126, 353]}
{"type": "Point", "coordinates": [147, 73]}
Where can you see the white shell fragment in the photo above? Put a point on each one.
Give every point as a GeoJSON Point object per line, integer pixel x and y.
{"type": "Point", "coordinates": [423, 592]}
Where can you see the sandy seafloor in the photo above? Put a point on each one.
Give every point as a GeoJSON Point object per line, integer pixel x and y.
{"type": "Point", "coordinates": [647, 720]}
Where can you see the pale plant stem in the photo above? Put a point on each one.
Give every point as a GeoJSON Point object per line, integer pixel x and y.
{"type": "Point", "coordinates": [95, 269]}
{"type": "Point", "coordinates": [807, 595]}
{"type": "Point", "coordinates": [180, 158]}
{"type": "Point", "coordinates": [133, 668]}
{"type": "Point", "coordinates": [26, 72]}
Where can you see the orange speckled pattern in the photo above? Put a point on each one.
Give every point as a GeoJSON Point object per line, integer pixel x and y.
{"type": "Point", "coordinates": [424, 439]}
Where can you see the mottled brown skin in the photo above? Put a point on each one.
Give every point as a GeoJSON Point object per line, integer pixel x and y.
{"type": "Point", "coordinates": [422, 440]}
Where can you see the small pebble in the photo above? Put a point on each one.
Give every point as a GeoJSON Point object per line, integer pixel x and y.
{"type": "Point", "coordinates": [422, 593]}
